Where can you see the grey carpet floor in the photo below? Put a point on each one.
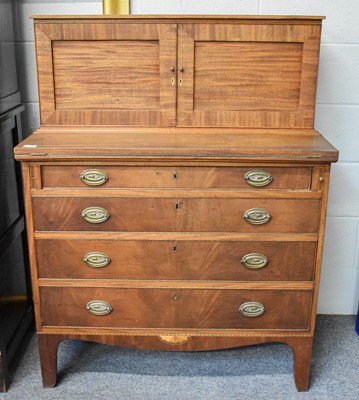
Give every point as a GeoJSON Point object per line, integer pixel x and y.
{"type": "Point", "coordinates": [92, 371]}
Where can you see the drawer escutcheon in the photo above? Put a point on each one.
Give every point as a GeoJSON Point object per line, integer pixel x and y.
{"type": "Point", "coordinates": [254, 260]}
{"type": "Point", "coordinates": [258, 178]}
{"type": "Point", "coordinates": [96, 259]}
{"type": "Point", "coordinates": [257, 216]}
{"type": "Point", "coordinates": [95, 215]}
{"type": "Point", "coordinates": [251, 309]}
{"type": "Point", "coordinates": [98, 307]}
{"type": "Point", "coordinates": [93, 177]}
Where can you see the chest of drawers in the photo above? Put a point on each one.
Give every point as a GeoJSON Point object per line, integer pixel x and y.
{"type": "Point", "coordinates": [179, 238]}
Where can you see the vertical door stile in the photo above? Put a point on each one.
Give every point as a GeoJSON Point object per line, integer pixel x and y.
{"type": "Point", "coordinates": [168, 54]}
{"type": "Point", "coordinates": [186, 88]}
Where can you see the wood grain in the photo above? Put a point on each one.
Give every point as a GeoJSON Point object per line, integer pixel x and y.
{"type": "Point", "coordinates": [176, 144]}
{"type": "Point", "coordinates": [181, 177]}
{"type": "Point", "coordinates": [151, 308]}
{"type": "Point", "coordinates": [91, 75]}
{"type": "Point", "coordinates": [162, 215]}
{"type": "Point", "coordinates": [176, 236]}
{"type": "Point", "coordinates": [106, 74]}
{"type": "Point", "coordinates": [172, 260]}
{"type": "Point", "coordinates": [247, 75]}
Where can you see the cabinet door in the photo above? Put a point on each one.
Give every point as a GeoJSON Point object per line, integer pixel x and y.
{"type": "Point", "coordinates": [248, 75]}
{"type": "Point", "coordinates": [106, 73]}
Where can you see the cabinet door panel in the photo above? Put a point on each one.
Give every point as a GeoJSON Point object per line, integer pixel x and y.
{"type": "Point", "coordinates": [247, 75]}
{"type": "Point", "coordinates": [100, 74]}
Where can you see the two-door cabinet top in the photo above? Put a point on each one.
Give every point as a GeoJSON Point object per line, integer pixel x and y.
{"type": "Point", "coordinates": [178, 71]}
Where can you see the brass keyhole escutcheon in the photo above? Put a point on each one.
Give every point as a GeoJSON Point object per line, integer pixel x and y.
{"type": "Point", "coordinates": [174, 296]}
{"type": "Point", "coordinates": [174, 249]}
{"type": "Point", "coordinates": [175, 175]}
{"type": "Point", "coordinates": [177, 206]}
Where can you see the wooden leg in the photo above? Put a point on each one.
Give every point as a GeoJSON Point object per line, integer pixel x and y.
{"type": "Point", "coordinates": [302, 350]}
{"type": "Point", "coordinates": [48, 345]}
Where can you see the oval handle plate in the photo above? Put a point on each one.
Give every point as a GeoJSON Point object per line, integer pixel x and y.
{"type": "Point", "coordinates": [251, 309]}
{"type": "Point", "coordinates": [98, 307]}
{"type": "Point", "coordinates": [257, 216]}
{"type": "Point", "coordinates": [93, 177]}
{"type": "Point", "coordinates": [96, 259]}
{"type": "Point", "coordinates": [258, 178]}
{"type": "Point", "coordinates": [254, 260]}
{"type": "Point", "coordinates": [95, 215]}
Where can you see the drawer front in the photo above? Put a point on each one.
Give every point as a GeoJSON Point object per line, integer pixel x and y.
{"type": "Point", "coordinates": [172, 215]}
{"type": "Point", "coordinates": [174, 308]}
{"type": "Point", "coordinates": [255, 178]}
{"type": "Point", "coordinates": [171, 260]}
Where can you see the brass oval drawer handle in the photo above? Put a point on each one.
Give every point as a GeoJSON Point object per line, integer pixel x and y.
{"type": "Point", "coordinates": [254, 260]}
{"type": "Point", "coordinates": [93, 177]}
{"type": "Point", "coordinates": [98, 307]}
{"type": "Point", "coordinates": [257, 216]}
{"type": "Point", "coordinates": [96, 259]}
{"type": "Point", "coordinates": [258, 178]}
{"type": "Point", "coordinates": [95, 215]}
{"type": "Point", "coordinates": [251, 309]}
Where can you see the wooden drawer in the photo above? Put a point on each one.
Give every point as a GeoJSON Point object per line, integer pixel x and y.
{"type": "Point", "coordinates": [175, 260]}
{"type": "Point", "coordinates": [175, 308]}
{"type": "Point", "coordinates": [171, 215]}
{"type": "Point", "coordinates": [172, 177]}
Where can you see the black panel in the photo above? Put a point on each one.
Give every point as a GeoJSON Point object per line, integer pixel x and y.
{"type": "Point", "coordinates": [9, 203]}
{"type": "Point", "coordinates": [13, 288]}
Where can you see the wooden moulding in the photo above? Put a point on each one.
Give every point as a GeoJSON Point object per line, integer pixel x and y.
{"type": "Point", "coordinates": [225, 18]}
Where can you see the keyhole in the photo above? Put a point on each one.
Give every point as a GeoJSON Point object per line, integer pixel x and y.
{"type": "Point", "coordinates": [175, 175]}
{"type": "Point", "coordinates": [174, 296]}
{"type": "Point", "coordinates": [174, 249]}
{"type": "Point", "coordinates": [177, 206]}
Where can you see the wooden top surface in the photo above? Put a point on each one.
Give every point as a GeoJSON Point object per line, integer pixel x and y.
{"type": "Point", "coordinates": [59, 143]}
{"type": "Point", "coordinates": [186, 17]}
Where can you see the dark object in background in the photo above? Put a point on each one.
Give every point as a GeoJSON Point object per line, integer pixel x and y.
{"type": "Point", "coordinates": [15, 295]}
